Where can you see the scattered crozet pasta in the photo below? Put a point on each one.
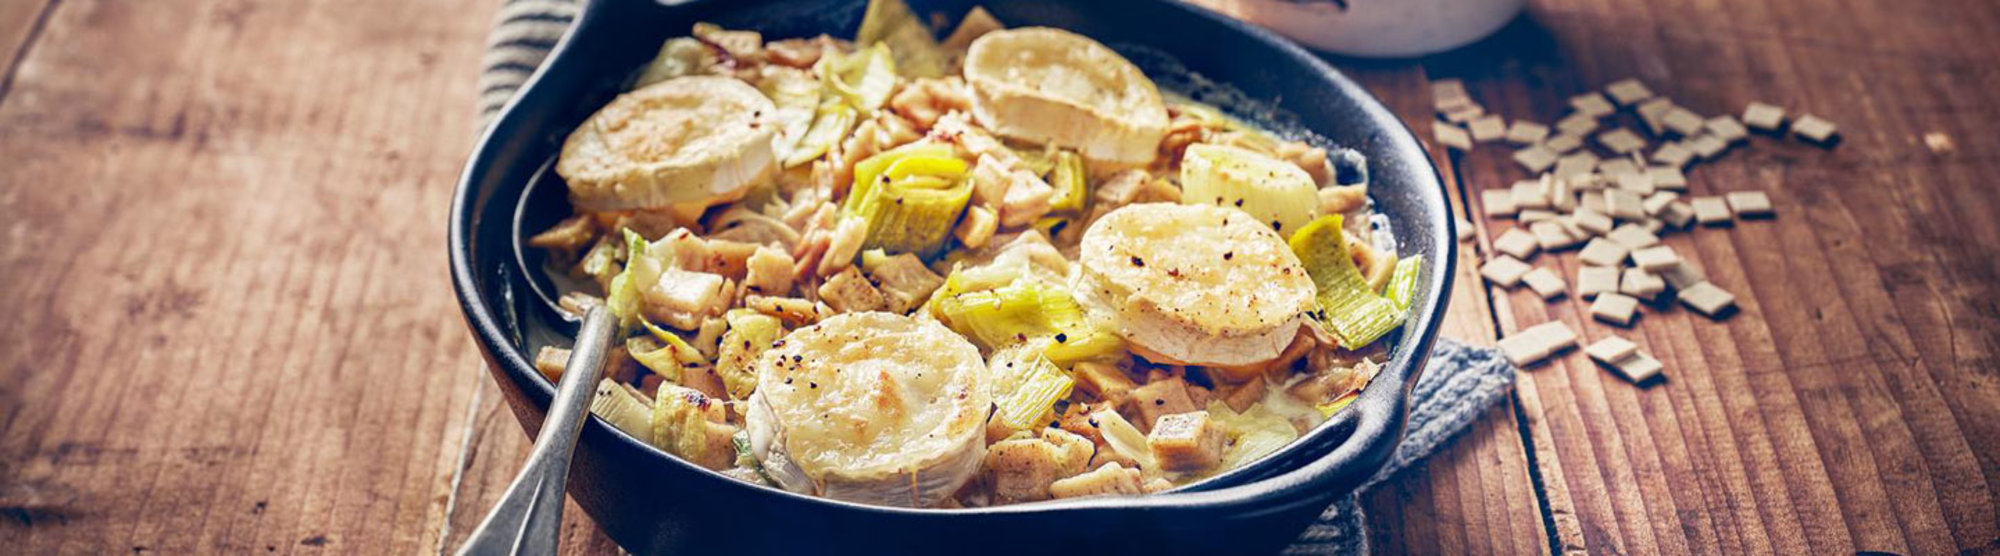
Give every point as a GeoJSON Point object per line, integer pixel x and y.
{"type": "Point", "coordinates": [1537, 342]}
{"type": "Point", "coordinates": [1613, 190]}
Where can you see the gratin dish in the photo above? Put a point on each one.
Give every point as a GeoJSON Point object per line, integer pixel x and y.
{"type": "Point", "coordinates": [653, 503]}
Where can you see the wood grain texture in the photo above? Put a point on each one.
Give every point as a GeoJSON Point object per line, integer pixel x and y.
{"type": "Point", "coordinates": [229, 330]}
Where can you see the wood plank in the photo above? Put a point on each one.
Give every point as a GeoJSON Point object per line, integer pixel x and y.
{"type": "Point", "coordinates": [1810, 421]}
{"type": "Point", "coordinates": [496, 449]}
{"type": "Point", "coordinates": [20, 22]}
{"type": "Point", "coordinates": [1475, 495]}
{"type": "Point", "coordinates": [222, 257]}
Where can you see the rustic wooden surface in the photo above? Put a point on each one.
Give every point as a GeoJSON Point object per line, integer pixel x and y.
{"type": "Point", "coordinates": [231, 331]}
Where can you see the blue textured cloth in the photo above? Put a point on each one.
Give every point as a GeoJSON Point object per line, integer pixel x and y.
{"type": "Point", "coordinates": [1457, 386]}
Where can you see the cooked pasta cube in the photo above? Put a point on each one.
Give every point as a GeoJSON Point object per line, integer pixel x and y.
{"type": "Point", "coordinates": [1186, 442]}
{"type": "Point", "coordinates": [1611, 349]}
{"type": "Point", "coordinates": [1707, 299]}
{"type": "Point", "coordinates": [1504, 271]}
{"type": "Point", "coordinates": [1593, 280]}
{"type": "Point", "coordinates": [1545, 282]}
{"type": "Point", "coordinates": [1614, 308]}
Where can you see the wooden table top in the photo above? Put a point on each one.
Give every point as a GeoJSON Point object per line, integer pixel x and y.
{"type": "Point", "coordinates": [231, 330]}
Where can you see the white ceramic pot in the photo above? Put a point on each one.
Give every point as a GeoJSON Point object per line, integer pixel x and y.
{"type": "Point", "coordinates": [1376, 28]}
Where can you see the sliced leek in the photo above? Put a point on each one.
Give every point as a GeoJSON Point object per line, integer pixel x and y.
{"type": "Point", "coordinates": [796, 94]}
{"type": "Point", "coordinates": [600, 263]}
{"type": "Point", "coordinates": [1040, 161]}
{"type": "Point", "coordinates": [830, 123]}
{"type": "Point", "coordinates": [1354, 312]}
{"type": "Point", "coordinates": [641, 269]}
{"type": "Point", "coordinates": [869, 171]}
{"type": "Point", "coordinates": [678, 57]}
{"type": "Point", "coordinates": [680, 425]}
{"type": "Point", "coordinates": [1122, 437]}
{"type": "Point", "coordinates": [1023, 310]}
{"type": "Point", "coordinates": [864, 78]}
{"type": "Point", "coordinates": [1087, 343]}
{"type": "Point", "coordinates": [1068, 178]}
{"type": "Point", "coordinates": [1402, 287]}
{"type": "Point", "coordinates": [1253, 434]}
{"type": "Point", "coordinates": [655, 357]}
{"type": "Point", "coordinates": [1274, 191]}
{"type": "Point", "coordinates": [1329, 408]}
{"type": "Point", "coordinates": [750, 333]}
{"type": "Point", "coordinates": [893, 23]}
{"type": "Point", "coordinates": [911, 198]}
{"type": "Point", "coordinates": [617, 405]}
{"type": "Point", "coordinates": [1031, 403]}
{"type": "Point", "coordinates": [685, 353]}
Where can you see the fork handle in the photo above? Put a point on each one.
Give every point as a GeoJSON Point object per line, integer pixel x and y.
{"type": "Point", "coordinates": [528, 519]}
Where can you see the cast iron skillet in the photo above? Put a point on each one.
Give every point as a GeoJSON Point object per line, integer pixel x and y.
{"type": "Point", "coordinates": [652, 503]}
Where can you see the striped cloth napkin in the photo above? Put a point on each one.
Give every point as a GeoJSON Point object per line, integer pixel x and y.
{"type": "Point", "coordinates": [1458, 385]}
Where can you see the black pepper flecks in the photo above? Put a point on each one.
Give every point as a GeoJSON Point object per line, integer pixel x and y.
{"type": "Point", "coordinates": [1061, 337]}
{"type": "Point", "coordinates": [1229, 255]}
{"type": "Point", "coordinates": [1136, 261]}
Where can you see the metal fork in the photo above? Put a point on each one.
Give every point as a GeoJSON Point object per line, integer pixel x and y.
{"type": "Point", "coordinates": [528, 518]}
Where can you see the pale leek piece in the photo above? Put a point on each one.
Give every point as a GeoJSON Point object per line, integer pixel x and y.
{"type": "Point", "coordinates": [911, 198]}
{"type": "Point", "coordinates": [1356, 314]}
{"type": "Point", "coordinates": [795, 94]}
{"type": "Point", "coordinates": [1122, 437]}
{"type": "Point", "coordinates": [665, 354]}
{"type": "Point", "coordinates": [642, 268]}
{"type": "Point", "coordinates": [1337, 405]}
{"type": "Point", "coordinates": [1273, 191]}
{"type": "Point", "coordinates": [830, 123]}
{"type": "Point", "coordinates": [600, 263]}
{"type": "Point", "coordinates": [679, 56]}
{"type": "Point", "coordinates": [1041, 161]}
{"type": "Point", "coordinates": [1068, 178]}
{"type": "Point", "coordinates": [1031, 403]}
{"type": "Point", "coordinates": [750, 333]}
{"type": "Point", "coordinates": [864, 78]}
{"type": "Point", "coordinates": [680, 426]}
{"type": "Point", "coordinates": [1253, 434]}
{"type": "Point", "coordinates": [686, 354]}
{"type": "Point", "coordinates": [916, 49]}
{"type": "Point", "coordinates": [1403, 281]}
{"type": "Point", "coordinates": [657, 358]}
{"type": "Point", "coordinates": [617, 405]}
